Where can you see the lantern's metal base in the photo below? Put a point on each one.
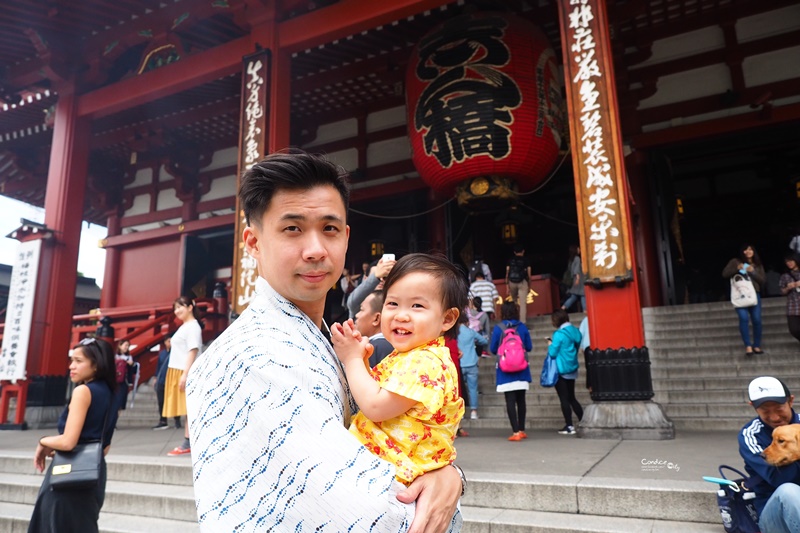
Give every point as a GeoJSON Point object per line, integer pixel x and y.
{"type": "Point", "coordinates": [487, 193]}
{"type": "Point", "coordinates": [626, 421]}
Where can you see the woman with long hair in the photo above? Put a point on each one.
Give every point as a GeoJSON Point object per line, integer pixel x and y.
{"type": "Point", "coordinates": [186, 344]}
{"type": "Point", "coordinates": [749, 264]}
{"type": "Point", "coordinates": [89, 411]}
{"type": "Point", "coordinates": [513, 384]}
{"type": "Point", "coordinates": [123, 363]}
{"type": "Point", "coordinates": [790, 287]}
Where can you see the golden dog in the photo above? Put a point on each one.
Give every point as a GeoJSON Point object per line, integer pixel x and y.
{"type": "Point", "coordinates": [785, 447]}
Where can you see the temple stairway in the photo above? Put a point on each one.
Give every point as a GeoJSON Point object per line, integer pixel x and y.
{"type": "Point", "coordinates": [699, 370]}
{"type": "Point", "coordinates": [147, 494]}
{"type": "Point", "coordinates": [548, 483]}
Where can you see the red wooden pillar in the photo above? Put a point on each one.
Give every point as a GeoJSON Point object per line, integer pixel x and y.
{"type": "Point", "coordinates": [607, 247]}
{"type": "Point", "coordinates": [621, 384]}
{"type": "Point", "coordinates": [108, 296]}
{"type": "Point", "coordinates": [55, 291]}
{"type": "Point", "coordinates": [280, 92]}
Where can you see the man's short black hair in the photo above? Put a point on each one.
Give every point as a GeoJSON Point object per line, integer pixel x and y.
{"type": "Point", "coordinates": [291, 169]}
{"type": "Point", "coordinates": [376, 304]}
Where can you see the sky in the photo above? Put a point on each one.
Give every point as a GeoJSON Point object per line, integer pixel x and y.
{"type": "Point", "coordinates": [91, 258]}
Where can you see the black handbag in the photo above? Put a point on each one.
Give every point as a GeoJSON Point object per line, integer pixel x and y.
{"type": "Point", "coordinates": [79, 468]}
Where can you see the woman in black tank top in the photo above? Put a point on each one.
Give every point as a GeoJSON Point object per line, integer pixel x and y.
{"type": "Point", "coordinates": [84, 419]}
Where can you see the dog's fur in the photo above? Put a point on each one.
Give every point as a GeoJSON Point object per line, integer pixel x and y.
{"type": "Point", "coordinates": [785, 447]}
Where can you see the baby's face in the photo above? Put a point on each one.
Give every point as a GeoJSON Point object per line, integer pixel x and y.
{"type": "Point", "coordinates": [413, 312]}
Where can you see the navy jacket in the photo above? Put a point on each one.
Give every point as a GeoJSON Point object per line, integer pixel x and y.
{"type": "Point", "coordinates": [161, 373]}
{"type": "Point", "coordinates": [754, 437]}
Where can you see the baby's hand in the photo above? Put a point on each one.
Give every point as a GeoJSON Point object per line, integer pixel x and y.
{"type": "Point", "coordinates": [348, 343]}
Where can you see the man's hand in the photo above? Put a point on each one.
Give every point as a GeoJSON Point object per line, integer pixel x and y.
{"type": "Point", "coordinates": [436, 494]}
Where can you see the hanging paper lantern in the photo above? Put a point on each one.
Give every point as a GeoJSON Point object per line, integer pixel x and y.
{"type": "Point", "coordinates": [484, 101]}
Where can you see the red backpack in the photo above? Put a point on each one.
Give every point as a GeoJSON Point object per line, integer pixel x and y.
{"type": "Point", "coordinates": [511, 352]}
{"type": "Point", "coordinates": [122, 369]}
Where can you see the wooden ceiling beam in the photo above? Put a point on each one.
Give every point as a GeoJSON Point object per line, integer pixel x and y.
{"type": "Point", "coordinates": [379, 64]}
{"type": "Point", "coordinates": [742, 50]}
{"type": "Point", "coordinates": [344, 18]}
{"type": "Point", "coordinates": [102, 140]}
{"type": "Point", "coordinates": [189, 72]}
{"type": "Point", "coordinates": [720, 126]}
{"type": "Point", "coordinates": [638, 36]}
{"type": "Point", "coordinates": [159, 21]}
{"type": "Point", "coordinates": [709, 104]}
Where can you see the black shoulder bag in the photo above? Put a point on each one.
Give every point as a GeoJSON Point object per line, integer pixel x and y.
{"type": "Point", "coordinates": [79, 468]}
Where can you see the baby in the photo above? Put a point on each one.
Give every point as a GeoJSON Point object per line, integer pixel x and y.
{"type": "Point", "coordinates": [409, 403]}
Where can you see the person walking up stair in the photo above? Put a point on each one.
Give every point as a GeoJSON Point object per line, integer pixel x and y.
{"type": "Point", "coordinates": [518, 275]}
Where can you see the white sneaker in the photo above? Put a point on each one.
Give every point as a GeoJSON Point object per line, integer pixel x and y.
{"type": "Point", "coordinates": [567, 430]}
{"type": "Point", "coordinates": [473, 415]}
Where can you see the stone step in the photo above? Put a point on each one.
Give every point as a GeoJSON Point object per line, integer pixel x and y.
{"type": "Point", "coordinates": [739, 411]}
{"type": "Point", "coordinates": [687, 358]}
{"type": "Point", "coordinates": [556, 422]}
{"type": "Point", "coordinates": [710, 424]}
{"type": "Point", "coordinates": [720, 342]}
{"type": "Point", "coordinates": [14, 518]}
{"type": "Point", "coordinates": [750, 368]}
{"type": "Point", "coordinates": [155, 500]}
{"type": "Point", "coordinates": [484, 520]}
{"type": "Point", "coordinates": [685, 501]}
{"type": "Point", "coordinates": [701, 384]}
{"type": "Point", "coordinates": [705, 308]}
{"type": "Point", "coordinates": [727, 320]}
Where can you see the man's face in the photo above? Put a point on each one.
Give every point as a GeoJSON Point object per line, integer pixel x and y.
{"type": "Point", "coordinates": [776, 414]}
{"type": "Point", "coordinates": [300, 245]}
{"type": "Point", "coordinates": [367, 321]}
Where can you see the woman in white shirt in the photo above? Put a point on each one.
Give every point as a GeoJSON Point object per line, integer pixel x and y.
{"type": "Point", "coordinates": [186, 343]}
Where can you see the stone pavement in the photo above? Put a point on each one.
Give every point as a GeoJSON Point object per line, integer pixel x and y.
{"type": "Point", "coordinates": [547, 483]}
{"type": "Point", "coordinates": [691, 455]}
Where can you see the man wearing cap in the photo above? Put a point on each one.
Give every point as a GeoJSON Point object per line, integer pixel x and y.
{"type": "Point", "coordinates": [777, 491]}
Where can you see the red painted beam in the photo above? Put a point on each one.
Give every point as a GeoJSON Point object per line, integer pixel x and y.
{"type": "Point", "coordinates": [170, 231]}
{"type": "Point", "coordinates": [719, 126]}
{"type": "Point", "coordinates": [171, 79]}
{"type": "Point", "coordinates": [389, 189]}
{"type": "Point", "coordinates": [346, 18]}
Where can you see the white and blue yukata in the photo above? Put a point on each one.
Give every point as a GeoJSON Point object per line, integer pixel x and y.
{"type": "Point", "coordinates": [269, 408]}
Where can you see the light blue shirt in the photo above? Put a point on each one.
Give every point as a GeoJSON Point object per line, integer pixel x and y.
{"type": "Point", "coordinates": [466, 344]}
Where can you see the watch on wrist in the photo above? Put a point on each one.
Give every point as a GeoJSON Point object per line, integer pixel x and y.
{"type": "Point", "coordinates": [462, 476]}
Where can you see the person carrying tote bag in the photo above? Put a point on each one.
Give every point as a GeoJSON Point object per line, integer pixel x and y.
{"type": "Point", "coordinates": [88, 418]}
{"type": "Point", "coordinates": [747, 266]}
{"type": "Point", "coordinates": [563, 347]}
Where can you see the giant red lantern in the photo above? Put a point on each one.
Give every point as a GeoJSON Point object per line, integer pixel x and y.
{"type": "Point", "coordinates": [485, 110]}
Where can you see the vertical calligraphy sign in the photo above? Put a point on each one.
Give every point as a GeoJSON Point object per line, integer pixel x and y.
{"type": "Point", "coordinates": [253, 122]}
{"type": "Point", "coordinates": [601, 190]}
{"type": "Point", "coordinates": [19, 312]}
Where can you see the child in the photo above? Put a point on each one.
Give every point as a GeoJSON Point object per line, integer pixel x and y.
{"type": "Point", "coordinates": [410, 408]}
